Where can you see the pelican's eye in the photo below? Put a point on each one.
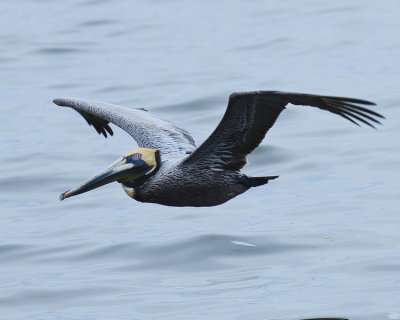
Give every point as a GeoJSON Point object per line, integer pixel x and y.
{"type": "Point", "coordinates": [136, 156]}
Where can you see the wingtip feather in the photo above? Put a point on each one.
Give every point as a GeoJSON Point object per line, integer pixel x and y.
{"type": "Point", "coordinates": [62, 101]}
{"type": "Point", "coordinates": [57, 101]}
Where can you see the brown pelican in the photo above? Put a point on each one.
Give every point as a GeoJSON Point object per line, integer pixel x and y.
{"type": "Point", "coordinates": [168, 168]}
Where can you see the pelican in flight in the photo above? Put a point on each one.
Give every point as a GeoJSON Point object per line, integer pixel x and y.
{"type": "Point", "coordinates": [168, 169]}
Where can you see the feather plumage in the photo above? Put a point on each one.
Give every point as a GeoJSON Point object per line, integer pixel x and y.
{"type": "Point", "coordinates": [208, 175]}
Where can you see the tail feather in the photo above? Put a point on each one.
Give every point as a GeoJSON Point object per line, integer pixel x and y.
{"type": "Point", "coordinates": [258, 181]}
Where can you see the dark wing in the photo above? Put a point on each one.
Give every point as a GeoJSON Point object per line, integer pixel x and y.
{"type": "Point", "coordinates": [250, 115]}
{"type": "Point", "coordinates": [148, 131]}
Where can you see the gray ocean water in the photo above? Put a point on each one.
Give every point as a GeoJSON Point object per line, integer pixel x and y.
{"type": "Point", "coordinates": [323, 240]}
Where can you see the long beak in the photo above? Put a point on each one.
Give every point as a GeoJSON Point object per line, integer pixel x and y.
{"type": "Point", "coordinates": [118, 171]}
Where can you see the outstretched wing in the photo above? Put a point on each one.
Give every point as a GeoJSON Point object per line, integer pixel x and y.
{"type": "Point", "coordinates": [250, 115]}
{"type": "Point", "coordinates": [147, 130]}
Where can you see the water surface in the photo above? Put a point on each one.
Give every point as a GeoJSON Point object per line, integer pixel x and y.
{"type": "Point", "coordinates": [322, 240]}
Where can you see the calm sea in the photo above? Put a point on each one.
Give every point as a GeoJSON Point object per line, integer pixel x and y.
{"type": "Point", "coordinates": [323, 240]}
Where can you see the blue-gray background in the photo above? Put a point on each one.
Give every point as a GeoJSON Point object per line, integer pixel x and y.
{"type": "Point", "coordinates": [322, 240]}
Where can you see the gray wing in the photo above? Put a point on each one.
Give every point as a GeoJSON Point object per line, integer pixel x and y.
{"type": "Point", "coordinates": [148, 131]}
{"type": "Point", "coordinates": [250, 115]}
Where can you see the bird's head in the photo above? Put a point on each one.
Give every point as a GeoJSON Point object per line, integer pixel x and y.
{"type": "Point", "coordinates": [135, 166]}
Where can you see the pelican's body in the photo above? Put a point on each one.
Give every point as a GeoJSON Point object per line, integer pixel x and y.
{"type": "Point", "coordinates": [175, 184]}
{"type": "Point", "coordinates": [168, 168]}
